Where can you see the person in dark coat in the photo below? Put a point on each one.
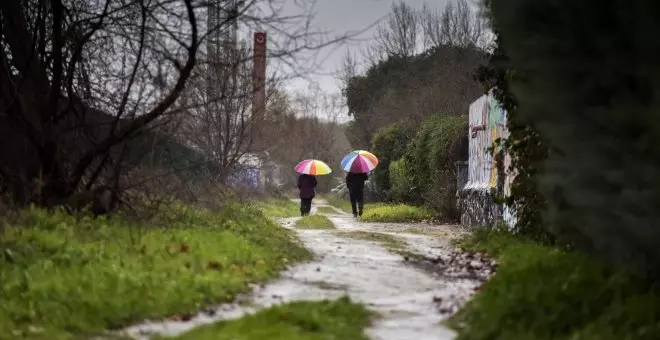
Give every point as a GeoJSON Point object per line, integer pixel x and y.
{"type": "Point", "coordinates": [355, 184]}
{"type": "Point", "coordinates": [306, 185]}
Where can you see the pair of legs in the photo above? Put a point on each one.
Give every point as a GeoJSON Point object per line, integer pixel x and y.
{"type": "Point", "coordinates": [357, 202]}
{"type": "Point", "coordinates": [305, 206]}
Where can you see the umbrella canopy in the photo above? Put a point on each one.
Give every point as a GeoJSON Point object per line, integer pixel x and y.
{"type": "Point", "coordinates": [312, 167]}
{"type": "Point", "coordinates": [359, 161]}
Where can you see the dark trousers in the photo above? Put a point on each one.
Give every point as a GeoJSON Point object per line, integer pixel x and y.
{"type": "Point", "coordinates": [305, 206]}
{"type": "Point", "coordinates": [357, 202]}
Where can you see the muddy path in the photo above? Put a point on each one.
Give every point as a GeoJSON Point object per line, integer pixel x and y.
{"type": "Point", "coordinates": [411, 299]}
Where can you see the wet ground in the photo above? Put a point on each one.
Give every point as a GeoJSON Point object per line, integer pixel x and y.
{"type": "Point", "coordinates": [413, 294]}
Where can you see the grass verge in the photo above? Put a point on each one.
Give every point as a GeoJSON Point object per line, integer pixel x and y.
{"type": "Point", "coordinates": [326, 210]}
{"type": "Point", "coordinates": [314, 222]}
{"type": "Point", "coordinates": [395, 213]}
{"type": "Point", "coordinates": [276, 207]}
{"type": "Point", "coordinates": [339, 319]}
{"type": "Point", "coordinates": [545, 293]}
{"type": "Point", "coordinates": [65, 277]}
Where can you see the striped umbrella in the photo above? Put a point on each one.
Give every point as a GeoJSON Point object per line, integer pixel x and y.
{"type": "Point", "coordinates": [313, 167]}
{"type": "Point", "coordinates": [359, 161]}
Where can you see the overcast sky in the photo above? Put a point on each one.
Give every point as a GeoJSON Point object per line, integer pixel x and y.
{"type": "Point", "coordinates": [344, 16]}
{"type": "Point", "coordinates": [337, 18]}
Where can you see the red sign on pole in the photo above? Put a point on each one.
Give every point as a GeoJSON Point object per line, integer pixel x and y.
{"type": "Point", "coordinates": [259, 72]}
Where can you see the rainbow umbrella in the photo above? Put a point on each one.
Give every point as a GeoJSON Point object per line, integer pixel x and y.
{"type": "Point", "coordinates": [313, 167]}
{"type": "Point", "coordinates": [359, 161]}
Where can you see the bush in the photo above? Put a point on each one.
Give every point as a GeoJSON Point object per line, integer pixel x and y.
{"type": "Point", "coordinates": [388, 144]}
{"type": "Point", "coordinates": [65, 276]}
{"type": "Point", "coordinates": [430, 158]}
{"type": "Point", "coordinates": [401, 189]}
{"type": "Point", "coordinates": [541, 292]}
{"type": "Point", "coordinates": [398, 213]}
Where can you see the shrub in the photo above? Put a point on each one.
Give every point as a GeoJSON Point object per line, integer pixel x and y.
{"type": "Point", "coordinates": [401, 184]}
{"type": "Point", "coordinates": [430, 158]}
{"type": "Point", "coordinates": [388, 144]}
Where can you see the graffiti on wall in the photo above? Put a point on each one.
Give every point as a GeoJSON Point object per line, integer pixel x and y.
{"type": "Point", "coordinates": [487, 124]}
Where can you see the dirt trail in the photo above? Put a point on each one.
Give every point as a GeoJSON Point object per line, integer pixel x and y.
{"type": "Point", "coordinates": [405, 296]}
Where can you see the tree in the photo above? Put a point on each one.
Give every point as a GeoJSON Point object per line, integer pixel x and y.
{"type": "Point", "coordinates": [307, 128]}
{"type": "Point", "coordinates": [398, 36]}
{"type": "Point", "coordinates": [456, 25]}
{"type": "Point", "coordinates": [86, 61]}
{"type": "Point", "coordinates": [80, 82]}
{"type": "Point", "coordinates": [402, 85]}
{"type": "Point", "coordinates": [218, 120]}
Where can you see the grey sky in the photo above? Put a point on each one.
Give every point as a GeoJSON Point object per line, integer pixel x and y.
{"type": "Point", "coordinates": [342, 16]}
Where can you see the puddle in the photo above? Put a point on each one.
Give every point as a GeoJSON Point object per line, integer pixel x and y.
{"type": "Point", "coordinates": [405, 296]}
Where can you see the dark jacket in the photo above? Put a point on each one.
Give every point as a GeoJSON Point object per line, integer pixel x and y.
{"type": "Point", "coordinates": [306, 184]}
{"type": "Point", "coordinates": [355, 182]}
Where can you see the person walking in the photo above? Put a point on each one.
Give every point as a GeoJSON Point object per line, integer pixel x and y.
{"type": "Point", "coordinates": [355, 185]}
{"type": "Point", "coordinates": [306, 186]}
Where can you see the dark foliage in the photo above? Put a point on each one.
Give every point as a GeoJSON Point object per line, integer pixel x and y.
{"type": "Point", "coordinates": [590, 87]}
{"type": "Point", "coordinates": [525, 147]}
{"type": "Point", "coordinates": [410, 89]}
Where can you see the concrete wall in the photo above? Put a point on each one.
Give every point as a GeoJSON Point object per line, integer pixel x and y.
{"type": "Point", "coordinates": [487, 123]}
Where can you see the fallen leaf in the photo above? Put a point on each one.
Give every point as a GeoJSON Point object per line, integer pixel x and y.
{"type": "Point", "coordinates": [184, 248]}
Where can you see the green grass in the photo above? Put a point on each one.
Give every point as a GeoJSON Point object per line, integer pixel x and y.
{"type": "Point", "coordinates": [275, 207]}
{"type": "Point", "coordinates": [314, 222]}
{"type": "Point", "coordinates": [326, 210]}
{"type": "Point", "coordinates": [320, 320]}
{"type": "Point", "coordinates": [67, 277]}
{"type": "Point", "coordinates": [541, 292]}
{"type": "Point", "coordinates": [395, 213]}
